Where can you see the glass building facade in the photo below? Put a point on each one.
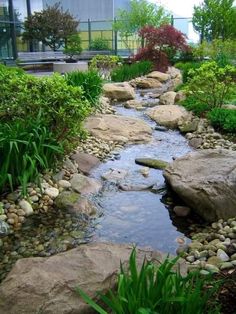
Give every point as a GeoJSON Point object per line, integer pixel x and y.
{"type": "Point", "coordinates": [13, 13]}
{"type": "Point", "coordinates": [12, 16]}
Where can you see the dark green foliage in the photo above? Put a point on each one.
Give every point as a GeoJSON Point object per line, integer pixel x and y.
{"type": "Point", "coordinates": [51, 26]}
{"type": "Point", "coordinates": [39, 118]}
{"type": "Point", "coordinates": [127, 72]}
{"type": "Point", "coordinates": [224, 119]}
{"type": "Point", "coordinates": [99, 44]}
{"type": "Point", "coordinates": [192, 104]}
{"type": "Point", "coordinates": [155, 290]}
{"type": "Point", "coordinates": [73, 46]}
{"type": "Point", "coordinates": [186, 66]}
{"type": "Point", "coordinates": [90, 82]}
{"type": "Point", "coordinates": [62, 107]}
{"type": "Point", "coordinates": [26, 148]}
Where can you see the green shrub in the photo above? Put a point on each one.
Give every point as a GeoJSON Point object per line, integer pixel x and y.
{"type": "Point", "coordinates": [224, 119]}
{"type": "Point", "coordinates": [185, 67]}
{"type": "Point", "coordinates": [128, 72]}
{"type": "Point", "coordinates": [155, 290]}
{"type": "Point", "coordinates": [26, 148]}
{"type": "Point", "coordinates": [99, 44]}
{"type": "Point", "coordinates": [73, 46]}
{"type": "Point", "coordinates": [221, 51]}
{"type": "Point", "coordinates": [62, 107]}
{"type": "Point", "coordinates": [192, 104]}
{"type": "Point", "coordinates": [90, 82]}
{"type": "Point", "coordinates": [104, 64]}
{"type": "Point", "coordinates": [211, 84]}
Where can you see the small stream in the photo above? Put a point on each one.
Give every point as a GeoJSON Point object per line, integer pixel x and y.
{"type": "Point", "coordinates": [137, 215]}
{"type": "Point", "coordinates": [140, 217]}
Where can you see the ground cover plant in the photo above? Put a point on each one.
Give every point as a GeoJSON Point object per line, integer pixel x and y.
{"type": "Point", "coordinates": [157, 289]}
{"type": "Point", "coordinates": [127, 72]}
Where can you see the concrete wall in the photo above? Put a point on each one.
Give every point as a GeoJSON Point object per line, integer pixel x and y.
{"type": "Point", "coordinates": [95, 10]}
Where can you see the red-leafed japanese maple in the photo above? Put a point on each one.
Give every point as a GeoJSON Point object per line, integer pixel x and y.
{"type": "Point", "coordinates": [161, 45]}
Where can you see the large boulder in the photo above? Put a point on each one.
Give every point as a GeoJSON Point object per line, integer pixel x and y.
{"type": "Point", "coordinates": [176, 77]}
{"type": "Point", "coordinates": [119, 91]}
{"type": "Point", "coordinates": [168, 115]}
{"type": "Point", "coordinates": [118, 128]}
{"type": "Point", "coordinates": [168, 98]}
{"type": "Point", "coordinates": [47, 284]}
{"type": "Point", "coordinates": [160, 76]}
{"type": "Point", "coordinates": [206, 181]}
{"type": "Point", "coordinates": [147, 83]}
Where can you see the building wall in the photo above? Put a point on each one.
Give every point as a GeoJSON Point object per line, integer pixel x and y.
{"type": "Point", "coordinates": [86, 9]}
{"type": "Point", "coordinates": [95, 10]}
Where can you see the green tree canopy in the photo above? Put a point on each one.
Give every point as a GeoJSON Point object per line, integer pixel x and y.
{"type": "Point", "coordinates": [214, 19]}
{"type": "Point", "coordinates": [51, 26]}
{"type": "Point", "coordinates": [140, 14]}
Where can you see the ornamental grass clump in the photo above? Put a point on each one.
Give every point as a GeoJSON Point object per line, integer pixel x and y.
{"type": "Point", "coordinates": [128, 72]}
{"type": "Point", "coordinates": [157, 289]}
{"type": "Point", "coordinates": [26, 148]}
{"type": "Point", "coordinates": [90, 82]}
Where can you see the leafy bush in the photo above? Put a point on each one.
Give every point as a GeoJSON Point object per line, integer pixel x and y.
{"type": "Point", "coordinates": [221, 51]}
{"type": "Point", "coordinates": [104, 64]}
{"type": "Point", "coordinates": [73, 46]}
{"type": "Point", "coordinates": [90, 82]}
{"type": "Point", "coordinates": [26, 148]}
{"type": "Point", "coordinates": [128, 72]}
{"type": "Point", "coordinates": [62, 107]}
{"type": "Point", "coordinates": [192, 104]}
{"type": "Point", "coordinates": [224, 119]}
{"type": "Point", "coordinates": [155, 290]}
{"type": "Point", "coordinates": [185, 67]}
{"type": "Point", "coordinates": [161, 45]}
{"type": "Point", "coordinates": [99, 44]}
{"type": "Point", "coordinates": [211, 84]}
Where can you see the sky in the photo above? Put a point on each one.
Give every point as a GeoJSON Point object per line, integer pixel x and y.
{"type": "Point", "coordinates": [179, 7]}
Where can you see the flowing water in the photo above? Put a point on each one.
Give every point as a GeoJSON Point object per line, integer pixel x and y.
{"type": "Point", "coordinates": [140, 217]}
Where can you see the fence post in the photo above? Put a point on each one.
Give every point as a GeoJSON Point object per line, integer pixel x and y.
{"type": "Point", "coordinates": [89, 33]}
{"type": "Point", "coordinates": [115, 39]}
{"type": "Point", "coordinates": [172, 20]}
{"type": "Point", "coordinates": [12, 29]}
{"type": "Point", "coordinates": [31, 46]}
